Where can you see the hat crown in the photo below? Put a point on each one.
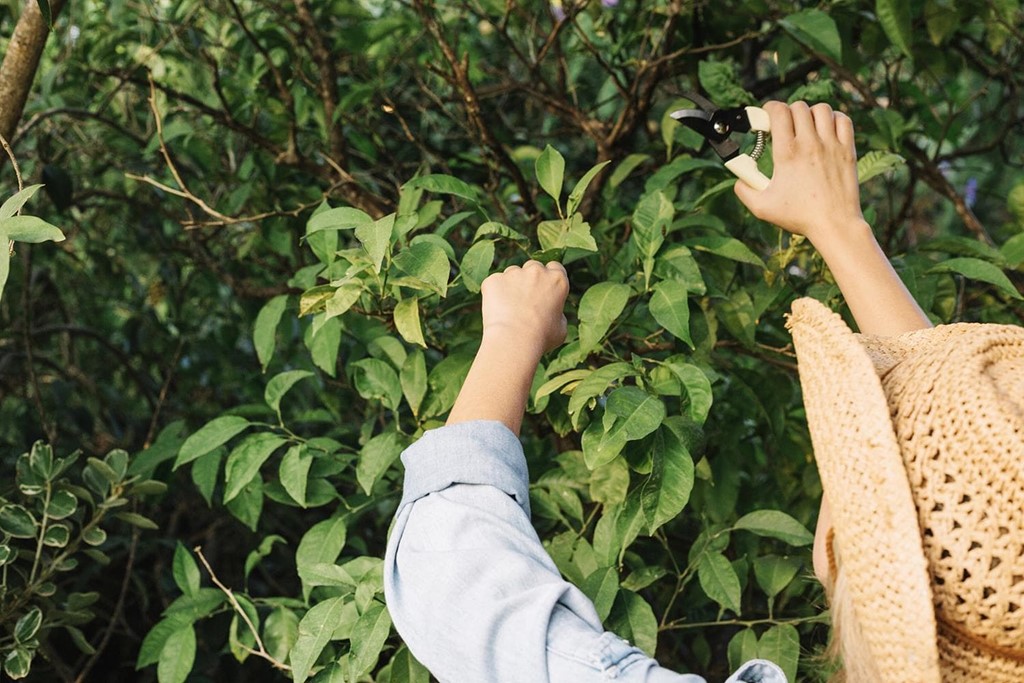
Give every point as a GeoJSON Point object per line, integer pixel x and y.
{"type": "Point", "coordinates": [956, 398]}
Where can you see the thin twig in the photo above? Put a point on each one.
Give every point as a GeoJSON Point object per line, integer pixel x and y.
{"type": "Point", "coordinates": [118, 608]}
{"type": "Point", "coordinates": [14, 162]}
{"type": "Point", "coordinates": [261, 652]}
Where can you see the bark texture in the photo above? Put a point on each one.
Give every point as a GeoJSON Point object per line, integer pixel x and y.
{"type": "Point", "coordinates": [21, 62]}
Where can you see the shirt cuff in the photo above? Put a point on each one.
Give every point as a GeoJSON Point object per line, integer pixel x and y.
{"type": "Point", "coordinates": [477, 452]}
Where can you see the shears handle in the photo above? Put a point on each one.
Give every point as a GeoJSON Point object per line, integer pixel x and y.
{"type": "Point", "coordinates": [744, 166]}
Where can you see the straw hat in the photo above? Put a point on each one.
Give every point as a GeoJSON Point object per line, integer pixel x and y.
{"type": "Point", "coordinates": [919, 439]}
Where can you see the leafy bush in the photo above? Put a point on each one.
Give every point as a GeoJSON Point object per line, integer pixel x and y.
{"type": "Point", "coordinates": [317, 192]}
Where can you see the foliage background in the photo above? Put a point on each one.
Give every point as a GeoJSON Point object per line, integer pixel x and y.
{"type": "Point", "coordinates": [263, 358]}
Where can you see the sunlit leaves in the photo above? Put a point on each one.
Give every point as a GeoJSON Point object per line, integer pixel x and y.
{"type": "Point", "coordinates": [895, 18]}
{"type": "Point", "coordinates": [315, 630]}
{"type": "Point", "coordinates": [213, 434]}
{"type": "Point", "coordinates": [775, 524]}
{"type": "Point", "coordinates": [550, 170]}
{"type": "Point", "coordinates": [976, 269]}
{"type": "Point", "coordinates": [598, 309]}
{"type": "Point", "coordinates": [817, 30]}
{"type": "Point", "coordinates": [877, 162]}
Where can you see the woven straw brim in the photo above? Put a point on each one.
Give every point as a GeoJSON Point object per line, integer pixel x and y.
{"type": "Point", "coordinates": [873, 513]}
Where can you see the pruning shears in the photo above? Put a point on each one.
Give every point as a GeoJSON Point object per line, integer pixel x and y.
{"type": "Point", "coordinates": [717, 125]}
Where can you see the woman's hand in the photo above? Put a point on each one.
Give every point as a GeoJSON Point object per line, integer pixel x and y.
{"type": "Point", "coordinates": [814, 190]}
{"type": "Point", "coordinates": [523, 318]}
{"type": "Point", "coordinates": [524, 307]}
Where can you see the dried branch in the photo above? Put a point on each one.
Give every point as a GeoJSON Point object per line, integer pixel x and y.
{"type": "Point", "coordinates": [460, 79]}
{"type": "Point", "coordinates": [260, 651]}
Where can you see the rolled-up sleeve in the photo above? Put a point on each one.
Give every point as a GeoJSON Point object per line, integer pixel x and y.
{"type": "Point", "coordinates": [471, 589]}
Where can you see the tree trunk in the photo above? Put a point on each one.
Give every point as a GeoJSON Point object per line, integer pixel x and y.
{"type": "Point", "coordinates": [20, 63]}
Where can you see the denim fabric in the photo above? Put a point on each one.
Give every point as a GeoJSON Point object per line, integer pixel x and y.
{"type": "Point", "coordinates": [471, 589]}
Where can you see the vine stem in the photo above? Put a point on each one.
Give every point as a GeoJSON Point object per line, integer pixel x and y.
{"type": "Point", "coordinates": [17, 174]}
{"type": "Point", "coordinates": [262, 651]}
{"type": "Point", "coordinates": [682, 625]}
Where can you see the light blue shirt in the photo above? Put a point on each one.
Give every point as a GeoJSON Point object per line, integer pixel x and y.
{"type": "Point", "coordinates": [471, 589]}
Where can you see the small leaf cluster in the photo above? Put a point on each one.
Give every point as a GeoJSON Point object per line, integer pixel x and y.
{"type": "Point", "coordinates": [55, 518]}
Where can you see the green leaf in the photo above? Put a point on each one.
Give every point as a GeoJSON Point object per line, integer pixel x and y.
{"type": "Point", "coordinates": [476, 264]}
{"type": "Point", "coordinates": [315, 631]}
{"type": "Point", "coordinates": [264, 334]}
{"type": "Point", "coordinates": [667, 490]}
{"type": "Point", "coordinates": [601, 587]}
{"type": "Point", "coordinates": [294, 472]}
{"type": "Point", "coordinates": [204, 472]}
{"type": "Point", "coordinates": [94, 536]}
{"type": "Point", "coordinates": [405, 668]}
{"type": "Point", "coordinates": [642, 622]}
{"type": "Point", "coordinates": [376, 380]}
{"type": "Point", "coordinates": [697, 387]}
{"type": "Point", "coordinates": [726, 247]}
{"type": "Point", "coordinates": [320, 545]}
{"type": "Point", "coordinates": [14, 203]}
{"type": "Point", "coordinates": [62, 505]}
{"type": "Point", "coordinates": [781, 644]}
{"type": "Point", "coordinates": [342, 218]}
{"type": "Point", "coordinates": [895, 18]}
{"type": "Point", "coordinates": [610, 483]}
{"type": "Point", "coordinates": [324, 344]}
{"type": "Point", "coordinates": [425, 265]}
{"type": "Point", "coordinates": [413, 378]}
{"type": "Point", "coordinates": [28, 625]}
{"type": "Point", "coordinates": [877, 162]}
{"type": "Point", "coordinates": [775, 524]}
{"type": "Point", "coordinates": [18, 662]}
{"type": "Point", "coordinates": [774, 573]}
{"type": "Point", "coordinates": [407, 321]}
{"type": "Point", "coordinates": [279, 385]}
{"type": "Point", "coordinates": [742, 648]}
{"type": "Point", "coordinates": [816, 30]}
{"type": "Point", "coordinates": [265, 547]}
{"type": "Point", "coordinates": [721, 80]}
{"type": "Point", "coordinates": [185, 571]}
{"type": "Point", "coordinates": [30, 229]}
{"type": "Point", "coordinates": [376, 457]}
{"type": "Point", "coordinates": [942, 20]}
{"type": "Point", "coordinates": [376, 239]}
{"type": "Point", "coordinates": [280, 631]}
{"type": "Point", "coordinates": [566, 233]}
{"type": "Point", "coordinates": [17, 521]}
{"type": "Point", "coordinates": [343, 298]}
{"type": "Point", "coordinates": [576, 196]}
{"type": "Point", "coordinates": [56, 536]}
{"type": "Point", "coordinates": [625, 168]}
{"type": "Point", "coordinates": [368, 637]}
{"type": "Point", "coordinates": [719, 581]}
{"type": "Point", "coordinates": [247, 506]}
{"type": "Point", "coordinates": [501, 230]}
{"type": "Point", "coordinates": [976, 269]}
{"type": "Point", "coordinates": [550, 170]}
{"type": "Point", "coordinates": [153, 643]}
{"type": "Point", "coordinates": [443, 184]}
{"type": "Point", "coordinates": [670, 308]}
{"type": "Point", "coordinates": [215, 433]}
{"type": "Point", "coordinates": [137, 520]}
{"type": "Point", "coordinates": [245, 460]}
{"type": "Point", "coordinates": [1012, 250]}
{"type": "Point", "coordinates": [630, 414]}
{"type": "Point", "coordinates": [177, 656]}
{"type": "Point", "coordinates": [598, 309]}
{"type": "Point", "coordinates": [595, 384]}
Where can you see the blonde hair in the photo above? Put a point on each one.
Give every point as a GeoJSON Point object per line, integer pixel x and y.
{"type": "Point", "coordinates": [847, 644]}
